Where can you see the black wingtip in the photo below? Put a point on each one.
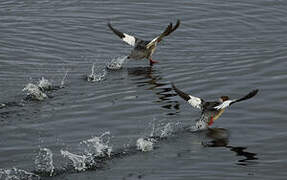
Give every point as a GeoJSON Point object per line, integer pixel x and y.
{"type": "Point", "coordinates": [180, 93]}
{"type": "Point", "coordinates": [117, 32]}
{"type": "Point", "coordinates": [248, 96]}
{"type": "Point", "coordinates": [253, 93]}
{"type": "Point", "coordinates": [109, 25]}
{"type": "Point", "coordinates": [173, 87]}
{"type": "Point", "coordinates": [177, 24]}
{"type": "Point", "coordinates": [170, 28]}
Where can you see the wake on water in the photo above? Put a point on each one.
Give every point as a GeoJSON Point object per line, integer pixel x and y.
{"type": "Point", "coordinates": [17, 174]}
{"type": "Point", "coordinates": [99, 75]}
{"type": "Point", "coordinates": [94, 154]}
{"type": "Point", "coordinates": [96, 150]}
{"type": "Point", "coordinates": [38, 91]}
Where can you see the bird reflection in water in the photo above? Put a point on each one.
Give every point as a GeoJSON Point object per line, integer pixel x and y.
{"type": "Point", "coordinates": [219, 137]}
{"type": "Point", "coordinates": [147, 76]}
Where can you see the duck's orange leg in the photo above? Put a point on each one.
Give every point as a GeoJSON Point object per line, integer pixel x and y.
{"type": "Point", "coordinates": [151, 62]}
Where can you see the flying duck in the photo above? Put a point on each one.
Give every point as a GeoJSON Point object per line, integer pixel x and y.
{"type": "Point", "coordinates": [210, 111]}
{"type": "Point", "coordinates": [144, 49]}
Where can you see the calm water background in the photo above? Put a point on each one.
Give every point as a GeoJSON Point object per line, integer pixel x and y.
{"type": "Point", "coordinates": [221, 47]}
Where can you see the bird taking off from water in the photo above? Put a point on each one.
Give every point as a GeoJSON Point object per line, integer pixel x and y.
{"type": "Point", "coordinates": [144, 49]}
{"type": "Point", "coordinates": [210, 111]}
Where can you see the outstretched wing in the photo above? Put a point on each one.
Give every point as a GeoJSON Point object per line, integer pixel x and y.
{"type": "Point", "coordinates": [227, 103]}
{"type": "Point", "coordinates": [131, 40]}
{"type": "Point", "coordinates": [248, 96]}
{"type": "Point", "coordinates": [194, 101]}
{"type": "Point", "coordinates": [169, 29]}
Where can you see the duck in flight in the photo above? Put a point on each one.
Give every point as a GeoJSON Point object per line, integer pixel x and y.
{"type": "Point", "coordinates": [210, 111]}
{"type": "Point", "coordinates": [144, 49]}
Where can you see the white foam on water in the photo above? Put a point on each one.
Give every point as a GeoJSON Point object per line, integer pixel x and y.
{"type": "Point", "coordinates": [167, 130]}
{"type": "Point", "coordinates": [79, 162]}
{"type": "Point", "coordinates": [117, 63]}
{"type": "Point", "coordinates": [44, 161]}
{"type": "Point", "coordinates": [145, 145]}
{"type": "Point", "coordinates": [96, 76]}
{"type": "Point", "coordinates": [17, 174]}
{"type": "Point", "coordinates": [34, 92]}
{"type": "Point", "coordinates": [97, 146]}
{"type": "Point", "coordinates": [45, 84]}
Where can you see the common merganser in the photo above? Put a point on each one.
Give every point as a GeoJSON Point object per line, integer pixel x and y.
{"type": "Point", "coordinates": [210, 111]}
{"type": "Point", "coordinates": [144, 49]}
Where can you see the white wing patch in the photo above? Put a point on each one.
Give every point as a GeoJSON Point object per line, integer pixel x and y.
{"type": "Point", "coordinates": [129, 39]}
{"type": "Point", "coordinates": [195, 101]}
{"type": "Point", "coordinates": [154, 41]}
{"type": "Point", "coordinates": [223, 105]}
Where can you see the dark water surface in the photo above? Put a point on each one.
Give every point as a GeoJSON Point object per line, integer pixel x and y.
{"type": "Point", "coordinates": [221, 48]}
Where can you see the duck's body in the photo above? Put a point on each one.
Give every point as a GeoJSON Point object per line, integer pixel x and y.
{"type": "Point", "coordinates": [144, 49]}
{"type": "Point", "coordinates": [210, 111]}
{"type": "Point", "coordinates": [140, 51]}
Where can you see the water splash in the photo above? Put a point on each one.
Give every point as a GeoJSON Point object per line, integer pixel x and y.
{"type": "Point", "coordinates": [95, 77]}
{"type": "Point", "coordinates": [167, 130]}
{"type": "Point", "coordinates": [79, 162]}
{"type": "Point", "coordinates": [200, 125]}
{"type": "Point", "coordinates": [38, 92]}
{"type": "Point", "coordinates": [64, 79]}
{"type": "Point", "coordinates": [44, 161]}
{"type": "Point", "coordinates": [97, 146]}
{"type": "Point", "coordinates": [45, 84]}
{"type": "Point", "coordinates": [93, 148]}
{"type": "Point", "coordinates": [153, 128]}
{"type": "Point", "coordinates": [34, 92]}
{"type": "Point", "coordinates": [117, 63]}
{"type": "Point", "coordinates": [145, 144]}
{"type": "Point", "coordinates": [17, 174]}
